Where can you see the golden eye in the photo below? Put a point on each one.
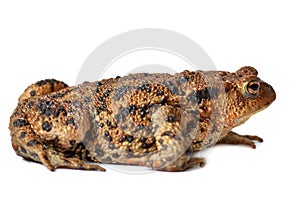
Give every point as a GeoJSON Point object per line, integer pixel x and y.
{"type": "Point", "coordinates": [252, 87]}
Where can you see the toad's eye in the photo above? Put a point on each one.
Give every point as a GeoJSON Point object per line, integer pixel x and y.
{"type": "Point", "coordinates": [252, 87]}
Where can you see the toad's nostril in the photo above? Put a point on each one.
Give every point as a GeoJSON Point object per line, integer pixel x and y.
{"type": "Point", "coordinates": [267, 85]}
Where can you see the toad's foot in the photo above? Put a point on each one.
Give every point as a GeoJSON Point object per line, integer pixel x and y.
{"type": "Point", "coordinates": [234, 138]}
{"type": "Point", "coordinates": [184, 163]}
{"type": "Point", "coordinates": [53, 160]}
{"type": "Point", "coordinates": [73, 163]}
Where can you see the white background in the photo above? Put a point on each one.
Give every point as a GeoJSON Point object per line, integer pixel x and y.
{"type": "Point", "coordinates": [52, 40]}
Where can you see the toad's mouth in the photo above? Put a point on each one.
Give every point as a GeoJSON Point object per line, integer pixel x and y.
{"type": "Point", "coordinates": [244, 118]}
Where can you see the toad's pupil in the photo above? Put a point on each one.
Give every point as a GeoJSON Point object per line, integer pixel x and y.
{"type": "Point", "coordinates": [254, 86]}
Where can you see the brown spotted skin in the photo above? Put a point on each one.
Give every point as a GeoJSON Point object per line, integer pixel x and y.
{"type": "Point", "coordinates": [154, 120]}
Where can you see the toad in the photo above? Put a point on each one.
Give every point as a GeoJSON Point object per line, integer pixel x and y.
{"type": "Point", "coordinates": [156, 120]}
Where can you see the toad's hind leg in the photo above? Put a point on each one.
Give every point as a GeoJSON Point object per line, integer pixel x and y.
{"type": "Point", "coordinates": [234, 138]}
{"type": "Point", "coordinates": [60, 161]}
{"type": "Point", "coordinates": [42, 87]}
{"type": "Point", "coordinates": [29, 146]}
{"type": "Point", "coordinates": [25, 143]}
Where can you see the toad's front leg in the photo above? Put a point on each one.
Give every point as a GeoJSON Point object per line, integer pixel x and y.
{"type": "Point", "coordinates": [234, 138]}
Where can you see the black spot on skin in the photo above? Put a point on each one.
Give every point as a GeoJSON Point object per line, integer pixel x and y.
{"type": "Point", "coordinates": [107, 136]}
{"type": "Point", "coordinates": [183, 79]}
{"type": "Point", "coordinates": [32, 143]}
{"type": "Point", "coordinates": [168, 83]}
{"type": "Point", "coordinates": [123, 139]}
{"type": "Point", "coordinates": [67, 101]}
{"type": "Point", "coordinates": [32, 93]}
{"type": "Point", "coordinates": [58, 95]}
{"type": "Point", "coordinates": [59, 109]}
{"type": "Point", "coordinates": [143, 113]}
{"type": "Point", "coordinates": [138, 128]}
{"type": "Point", "coordinates": [197, 142]}
{"type": "Point", "coordinates": [147, 145]}
{"type": "Point", "coordinates": [42, 82]}
{"type": "Point", "coordinates": [198, 95]}
{"type": "Point", "coordinates": [145, 87]}
{"type": "Point", "coordinates": [123, 127]}
{"type": "Point", "coordinates": [171, 119]}
{"type": "Point", "coordinates": [192, 97]}
{"type": "Point", "coordinates": [188, 151]}
{"type": "Point", "coordinates": [120, 92]}
{"type": "Point", "coordinates": [143, 139]}
{"type": "Point", "coordinates": [168, 133]}
{"type": "Point", "coordinates": [99, 151]}
{"type": "Point", "coordinates": [163, 101]}
{"type": "Point", "coordinates": [101, 125]}
{"type": "Point", "coordinates": [20, 123]}
{"type": "Point", "coordinates": [160, 93]}
{"type": "Point", "coordinates": [100, 98]}
{"type": "Point", "coordinates": [71, 121]}
{"type": "Point", "coordinates": [107, 93]}
{"type": "Point", "coordinates": [115, 155]}
{"type": "Point", "coordinates": [111, 146]}
{"type": "Point", "coordinates": [108, 123]}
{"type": "Point", "coordinates": [45, 107]}
{"type": "Point", "coordinates": [96, 91]}
{"type": "Point", "coordinates": [45, 144]}
{"type": "Point", "coordinates": [180, 93]}
{"type": "Point", "coordinates": [47, 126]}
{"type": "Point", "coordinates": [23, 135]}
{"type": "Point", "coordinates": [99, 83]}
{"type": "Point", "coordinates": [72, 142]}
{"type": "Point", "coordinates": [144, 110]}
{"type": "Point", "coordinates": [129, 138]}
{"type": "Point", "coordinates": [128, 149]}
{"type": "Point", "coordinates": [161, 141]}
{"type": "Point", "coordinates": [108, 159]}
{"type": "Point", "coordinates": [101, 108]}
{"type": "Point", "coordinates": [132, 109]}
{"type": "Point", "coordinates": [118, 117]}
{"type": "Point", "coordinates": [173, 89]}
{"type": "Point", "coordinates": [130, 153]}
{"type": "Point", "coordinates": [34, 156]}
{"type": "Point", "coordinates": [77, 104]}
{"type": "Point", "coordinates": [124, 111]}
{"type": "Point", "coordinates": [23, 150]}
{"type": "Point", "coordinates": [214, 129]}
{"type": "Point", "coordinates": [87, 99]}
{"type": "Point", "coordinates": [30, 104]}
{"type": "Point", "coordinates": [52, 82]}
{"type": "Point", "coordinates": [56, 140]}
